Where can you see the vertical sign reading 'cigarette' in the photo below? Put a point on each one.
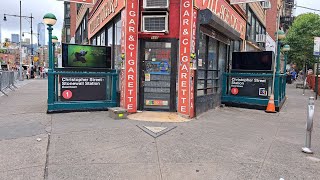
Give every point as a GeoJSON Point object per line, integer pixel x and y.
{"type": "Point", "coordinates": [132, 9]}
{"type": "Point", "coordinates": [186, 17]}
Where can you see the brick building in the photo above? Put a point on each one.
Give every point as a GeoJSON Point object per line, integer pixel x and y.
{"type": "Point", "coordinates": [285, 9]}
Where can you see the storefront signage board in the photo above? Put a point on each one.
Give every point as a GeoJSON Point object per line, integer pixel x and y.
{"type": "Point", "coordinates": [222, 9]}
{"type": "Point", "coordinates": [105, 12]}
{"type": "Point", "coordinates": [249, 86]}
{"type": "Point", "coordinates": [245, 1]}
{"type": "Point", "coordinates": [83, 88]}
{"type": "Point", "coordinates": [186, 18]}
{"type": "Point", "coordinates": [131, 60]}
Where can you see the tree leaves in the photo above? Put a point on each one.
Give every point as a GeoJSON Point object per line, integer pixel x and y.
{"type": "Point", "coordinates": [300, 38]}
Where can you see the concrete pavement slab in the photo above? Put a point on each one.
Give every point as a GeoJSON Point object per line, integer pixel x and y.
{"type": "Point", "coordinates": [212, 171]}
{"type": "Point", "coordinates": [296, 172]}
{"type": "Point", "coordinates": [23, 153]}
{"type": "Point", "coordinates": [31, 124]}
{"type": "Point", "coordinates": [113, 171]}
{"type": "Point", "coordinates": [84, 121]}
{"type": "Point", "coordinates": [30, 173]}
{"type": "Point", "coordinates": [103, 146]}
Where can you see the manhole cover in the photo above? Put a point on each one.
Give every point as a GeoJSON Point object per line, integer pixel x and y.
{"type": "Point", "coordinates": [155, 131]}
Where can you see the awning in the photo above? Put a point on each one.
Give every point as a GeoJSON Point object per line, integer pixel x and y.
{"type": "Point", "coordinates": [207, 18]}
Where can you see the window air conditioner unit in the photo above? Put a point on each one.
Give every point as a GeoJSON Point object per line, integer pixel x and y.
{"type": "Point", "coordinates": [155, 4]}
{"type": "Point", "coordinates": [155, 23]}
{"type": "Point", "coordinates": [266, 4]}
{"type": "Point", "coordinates": [260, 38]}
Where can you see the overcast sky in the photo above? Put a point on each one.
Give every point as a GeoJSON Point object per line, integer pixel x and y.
{"type": "Point", "coordinates": [314, 4]}
{"type": "Point", "coordinates": [38, 8]}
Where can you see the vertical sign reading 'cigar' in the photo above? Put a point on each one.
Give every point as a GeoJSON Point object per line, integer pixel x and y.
{"type": "Point", "coordinates": [132, 19]}
{"type": "Point", "coordinates": [186, 18]}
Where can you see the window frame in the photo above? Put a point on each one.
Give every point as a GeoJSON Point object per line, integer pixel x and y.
{"type": "Point", "coordinates": [111, 25]}
{"type": "Point", "coordinates": [216, 78]}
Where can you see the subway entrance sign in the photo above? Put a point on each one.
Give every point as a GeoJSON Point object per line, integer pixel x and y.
{"type": "Point", "coordinates": [83, 88]}
{"type": "Point", "coordinates": [249, 86]}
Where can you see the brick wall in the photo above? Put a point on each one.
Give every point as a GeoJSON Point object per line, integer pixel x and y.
{"type": "Point", "coordinates": [73, 19]}
{"type": "Point", "coordinates": [272, 18]}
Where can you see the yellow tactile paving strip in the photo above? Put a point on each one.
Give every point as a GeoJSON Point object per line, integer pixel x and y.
{"type": "Point", "coordinates": [152, 116]}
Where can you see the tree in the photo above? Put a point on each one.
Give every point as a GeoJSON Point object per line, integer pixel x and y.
{"type": "Point", "coordinates": [300, 38]}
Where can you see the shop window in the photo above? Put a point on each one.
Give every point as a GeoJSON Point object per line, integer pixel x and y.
{"type": "Point", "coordinates": [213, 70]}
{"type": "Point", "coordinates": [103, 39]}
{"type": "Point", "coordinates": [117, 44]}
{"type": "Point", "coordinates": [253, 27]}
{"type": "Point", "coordinates": [110, 36]}
{"type": "Point", "coordinates": [208, 65]}
{"type": "Point", "coordinates": [202, 51]}
{"type": "Point", "coordinates": [94, 41]}
{"type": "Point", "coordinates": [98, 40]}
{"type": "Point", "coordinates": [249, 23]}
{"type": "Point", "coordinates": [221, 65]}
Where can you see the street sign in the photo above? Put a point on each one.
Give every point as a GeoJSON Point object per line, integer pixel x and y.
{"type": "Point", "coordinates": [83, 88]}
{"type": "Point", "coordinates": [249, 86]}
{"type": "Point", "coordinates": [245, 1]}
{"type": "Point", "coordinates": [79, 1]}
{"type": "Point", "coordinates": [316, 47]}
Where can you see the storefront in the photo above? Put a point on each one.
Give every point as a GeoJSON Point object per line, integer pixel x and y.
{"type": "Point", "coordinates": [170, 54]}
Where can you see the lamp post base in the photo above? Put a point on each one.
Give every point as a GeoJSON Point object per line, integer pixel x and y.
{"type": "Point", "coordinates": [307, 150]}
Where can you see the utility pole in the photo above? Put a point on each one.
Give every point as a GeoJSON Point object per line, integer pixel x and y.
{"type": "Point", "coordinates": [317, 79]}
{"type": "Point", "coordinates": [20, 46]}
{"type": "Point", "coordinates": [31, 40]}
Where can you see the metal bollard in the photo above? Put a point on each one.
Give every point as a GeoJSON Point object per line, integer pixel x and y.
{"type": "Point", "coordinates": [307, 148]}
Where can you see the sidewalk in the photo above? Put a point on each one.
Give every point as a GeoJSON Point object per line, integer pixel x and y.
{"type": "Point", "coordinates": [226, 143]}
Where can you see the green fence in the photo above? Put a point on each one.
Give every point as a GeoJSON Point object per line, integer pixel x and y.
{"type": "Point", "coordinates": [261, 102]}
{"type": "Point", "coordinates": [61, 104]}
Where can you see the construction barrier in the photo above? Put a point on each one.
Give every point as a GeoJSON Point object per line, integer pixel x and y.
{"type": "Point", "coordinates": [7, 80]}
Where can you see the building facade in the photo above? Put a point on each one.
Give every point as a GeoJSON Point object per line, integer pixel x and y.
{"type": "Point", "coordinates": [81, 34]}
{"type": "Point", "coordinates": [41, 34]}
{"type": "Point", "coordinates": [256, 26]}
{"type": "Point", "coordinates": [66, 33]}
{"type": "Point", "coordinates": [282, 9]}
{"type": "Point", "coordinates": [170, 54]}
{"type": "Point", "coordinates": [15, 38]}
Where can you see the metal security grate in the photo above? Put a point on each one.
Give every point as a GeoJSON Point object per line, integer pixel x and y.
{"type": "Point", "coordinates": [156, 3]}
{"type": "Point", "coordinates": [155, 24]}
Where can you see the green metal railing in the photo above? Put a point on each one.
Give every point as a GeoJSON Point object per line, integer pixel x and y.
{"type": "Point", "coordinates": [279, 91]}
{"type": "Point", "coordinates": [59, 105]}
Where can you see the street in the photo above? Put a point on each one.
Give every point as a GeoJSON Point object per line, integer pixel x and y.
{"type": "Point", "coordinates": [225, 143]}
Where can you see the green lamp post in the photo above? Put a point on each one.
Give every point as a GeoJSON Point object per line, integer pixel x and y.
{"type": "Point", "coordinates": [50, 20]}
{"type": "Point", "coordinates": [54, 42]}
{"type": "Point", "coordinates": [280, 35]}
{"type": "Point", "coordinates": [285, 50]}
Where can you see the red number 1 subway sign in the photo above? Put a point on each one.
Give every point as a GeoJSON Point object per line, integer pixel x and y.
{"type": "Point", "coordinates": [132, 19]}
{"type": "Point", "coordinates": [186, 16]}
